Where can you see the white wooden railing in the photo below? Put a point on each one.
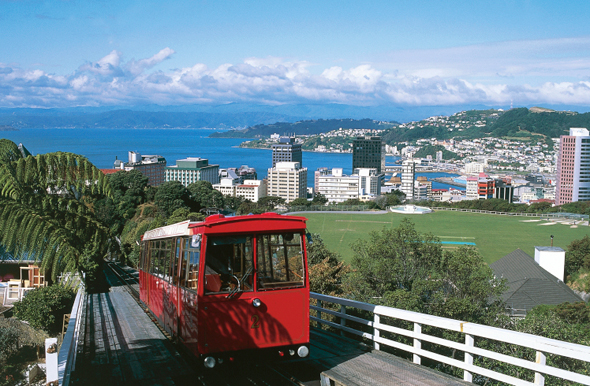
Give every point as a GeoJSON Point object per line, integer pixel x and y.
{"type": "Point", "coordinates": [542, 346]}
{"type": "Point", "coordinates": [69, 347]}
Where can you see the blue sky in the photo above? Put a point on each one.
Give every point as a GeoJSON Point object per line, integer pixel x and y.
{"type": "Point", "coordinates": [399, 53]}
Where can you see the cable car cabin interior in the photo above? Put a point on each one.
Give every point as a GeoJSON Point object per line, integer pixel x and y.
{"type": "Point", "coordinates": [229, 285]}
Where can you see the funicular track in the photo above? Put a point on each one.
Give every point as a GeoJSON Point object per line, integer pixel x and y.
{"type": "Point", "coordinates": [124, 344]}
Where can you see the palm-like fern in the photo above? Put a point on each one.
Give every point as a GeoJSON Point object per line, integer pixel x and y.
{"type": "Point", "coordinates": [42, 209]}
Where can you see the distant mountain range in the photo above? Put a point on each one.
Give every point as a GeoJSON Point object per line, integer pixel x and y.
{"type": "Point", "coordinates": [228, 116]}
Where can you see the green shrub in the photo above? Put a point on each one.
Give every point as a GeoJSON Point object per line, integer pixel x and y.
{"type": "Point", "coordinates": [44, 307]}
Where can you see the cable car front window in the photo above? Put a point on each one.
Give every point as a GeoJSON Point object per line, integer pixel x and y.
{"type": "Point", "coordinates": [280, 261]}
{"type": "Point", "coordinates": [228, 264]}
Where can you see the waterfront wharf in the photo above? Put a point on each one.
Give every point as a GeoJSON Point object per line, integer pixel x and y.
{"type": "Point", "coordinates": [119, 344]}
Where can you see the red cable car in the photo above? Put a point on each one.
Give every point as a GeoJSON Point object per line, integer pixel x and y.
{"type": "Point", "coordinates": [229, 285]}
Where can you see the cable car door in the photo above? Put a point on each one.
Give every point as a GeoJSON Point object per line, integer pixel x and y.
{"type": "Point", "coordinates": [237, 318]}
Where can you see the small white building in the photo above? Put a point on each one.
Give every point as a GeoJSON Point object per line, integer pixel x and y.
{"type": "Point", "coordinates": [252, 190]}
{"type": "Point", "coordinates": [552, 259]}
{"type": "Point", "coordinates": [227, 186]}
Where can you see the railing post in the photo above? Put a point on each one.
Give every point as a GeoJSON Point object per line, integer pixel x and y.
{"type": "Point", "coordinates": [342, 320]}
{"type": "Point", "coordinates": [417, 342]}
{"type": "Point", "coordinates": [539, 377]}
{"type": "Point", "coordinates": [319, 313]}
{"type": "Point", "coordinates": [376, 320]}
{"type": "Point", "coordinates": [467, 376]}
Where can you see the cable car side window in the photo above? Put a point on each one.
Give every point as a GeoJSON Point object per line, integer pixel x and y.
{"type": "Point", "coordinates": [280, 261]}
{"type": "Point", "coordinates": [229, 264]}
{"type": "Point", "coordinates": [191, 248]}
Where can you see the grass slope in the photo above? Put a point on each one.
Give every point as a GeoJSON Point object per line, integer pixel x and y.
{"type": "Point", "coordinates": [495, 236]}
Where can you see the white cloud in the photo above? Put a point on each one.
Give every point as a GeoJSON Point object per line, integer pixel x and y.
{"type": "Point", "coordinates": [113, 81]}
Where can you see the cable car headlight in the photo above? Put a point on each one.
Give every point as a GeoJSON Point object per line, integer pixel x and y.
{"type": "Point", "coordinates": [303, 351]}
{"type": "Point", "coordinates": [209, 362]}
{"type": "Point", "coordinates": [256, 302]}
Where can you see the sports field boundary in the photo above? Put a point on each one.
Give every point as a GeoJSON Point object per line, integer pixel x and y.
{"type": "Point", "coordinates": [555, 216]}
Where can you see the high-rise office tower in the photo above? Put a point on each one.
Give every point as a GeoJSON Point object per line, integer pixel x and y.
{"type": "Point", "coordinates": [573, 167]}
{"type": "Point", "coordinates": [286, 151]}
{"type": "Point", "coordinates": [368, 153]}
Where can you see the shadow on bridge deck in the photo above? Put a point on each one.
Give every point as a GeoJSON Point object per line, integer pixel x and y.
{"type": "Point", "coordinates": [123, 347]}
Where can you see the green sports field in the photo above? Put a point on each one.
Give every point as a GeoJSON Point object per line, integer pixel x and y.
{"type": "Point", "coordinates": [495, 236]}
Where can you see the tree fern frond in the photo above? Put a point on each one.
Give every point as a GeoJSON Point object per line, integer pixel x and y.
{"type": "Point", "coordinates": [9, 151]}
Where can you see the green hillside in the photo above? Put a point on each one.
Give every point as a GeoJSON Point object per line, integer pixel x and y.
{"type": "Point", "coordinates": [315, 126]}
{"type": "Point", "coordinates": [541, 124]}
{"type": "Point", "coordinates": [495, 236]}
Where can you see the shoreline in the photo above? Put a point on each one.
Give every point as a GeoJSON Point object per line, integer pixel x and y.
{"type": "Point", "coordinates": [449, 181]}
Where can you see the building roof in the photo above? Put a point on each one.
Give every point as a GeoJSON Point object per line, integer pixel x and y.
{"type": "Point", "coordinates": [529, 284]}
{"type": "Point", "coordinates": [110, 171]}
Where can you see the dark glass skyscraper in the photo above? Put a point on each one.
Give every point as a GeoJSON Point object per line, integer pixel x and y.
{"type": "Point", "coordinates": [286, 151]}
{"type": "Point", "coordinates": [368, 152]}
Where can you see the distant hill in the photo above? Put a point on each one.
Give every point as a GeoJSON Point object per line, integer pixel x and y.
{"type": "Point", "coordinates": [519, 122]}
{"type": "Point", "coordinates": [308, 127]}
{"type": "Point", "coordinates": [7, 128]}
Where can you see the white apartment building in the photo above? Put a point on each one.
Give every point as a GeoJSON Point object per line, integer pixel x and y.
{"type": "Point", "coordinates": [287, 180]}
{"type": "Point", "coordinates": [471, 188]}
{"type": "Point", "coordinates": [408, 176]}
{"type": "Point", "coordinates": [251, 190]}
{"type": "Point", "coordinates": [474, 168]}
{"type": "Point", "coordinates": [369, 181]}
{"type": "Point", "coordinates": [337, 187]}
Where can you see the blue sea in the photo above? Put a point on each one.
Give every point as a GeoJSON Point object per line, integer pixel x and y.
{"type": "Point", "coordinates": [103, 146]}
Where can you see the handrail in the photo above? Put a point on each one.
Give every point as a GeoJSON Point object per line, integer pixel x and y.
{"type": "Point", "coordinates": [541, 345]}
{"type": "Point", "coordinates": [69, 346]}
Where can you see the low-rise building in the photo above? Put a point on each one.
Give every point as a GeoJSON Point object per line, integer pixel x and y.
{"type": "Point", "coordinates": [151, 166]}
{"type": "Point", "coordinates": [364, 184]}
{"type": "Point", "coordinates": [193, 169]}
{"type": "Point", "coordinates": [252, 190]}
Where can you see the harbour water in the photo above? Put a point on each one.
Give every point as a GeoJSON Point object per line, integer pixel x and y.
{"type": "Point", "coordinates": [103, 146]}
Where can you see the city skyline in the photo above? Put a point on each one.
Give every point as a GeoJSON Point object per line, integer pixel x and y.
{"type": "Point", "coordinates": [427, 53]}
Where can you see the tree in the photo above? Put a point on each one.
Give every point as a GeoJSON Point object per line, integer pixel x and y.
{"type": "Point", "coordinates": [16, 335]}
{"type": "Point", "coordinates": [404, 268]}
{"type": "Point", "coordinates": [326, 271]}
{"type": "Point", "coordinates": [301, 201]}
{"type": "Point", "coordinates": [170, 196]}
{"type": "Point", "coordinates": [248, 207]}
{"type": "Point", "coordinates": [319, 199]}
{"type": "Point", "coordinates": [203, 194]}
{"type": "Point", "coordinates": [233, 202]}
{"type": "Point", "coordinates": [44, 211]}
{"type": "Point", "coordinates": [183, 214]}
{"type": "Point", "coordinates": [268, 203]}
{"type": "Point", "coordinates": [578, 255]}
{"type": "Point", "coordinates": [43, 308]}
